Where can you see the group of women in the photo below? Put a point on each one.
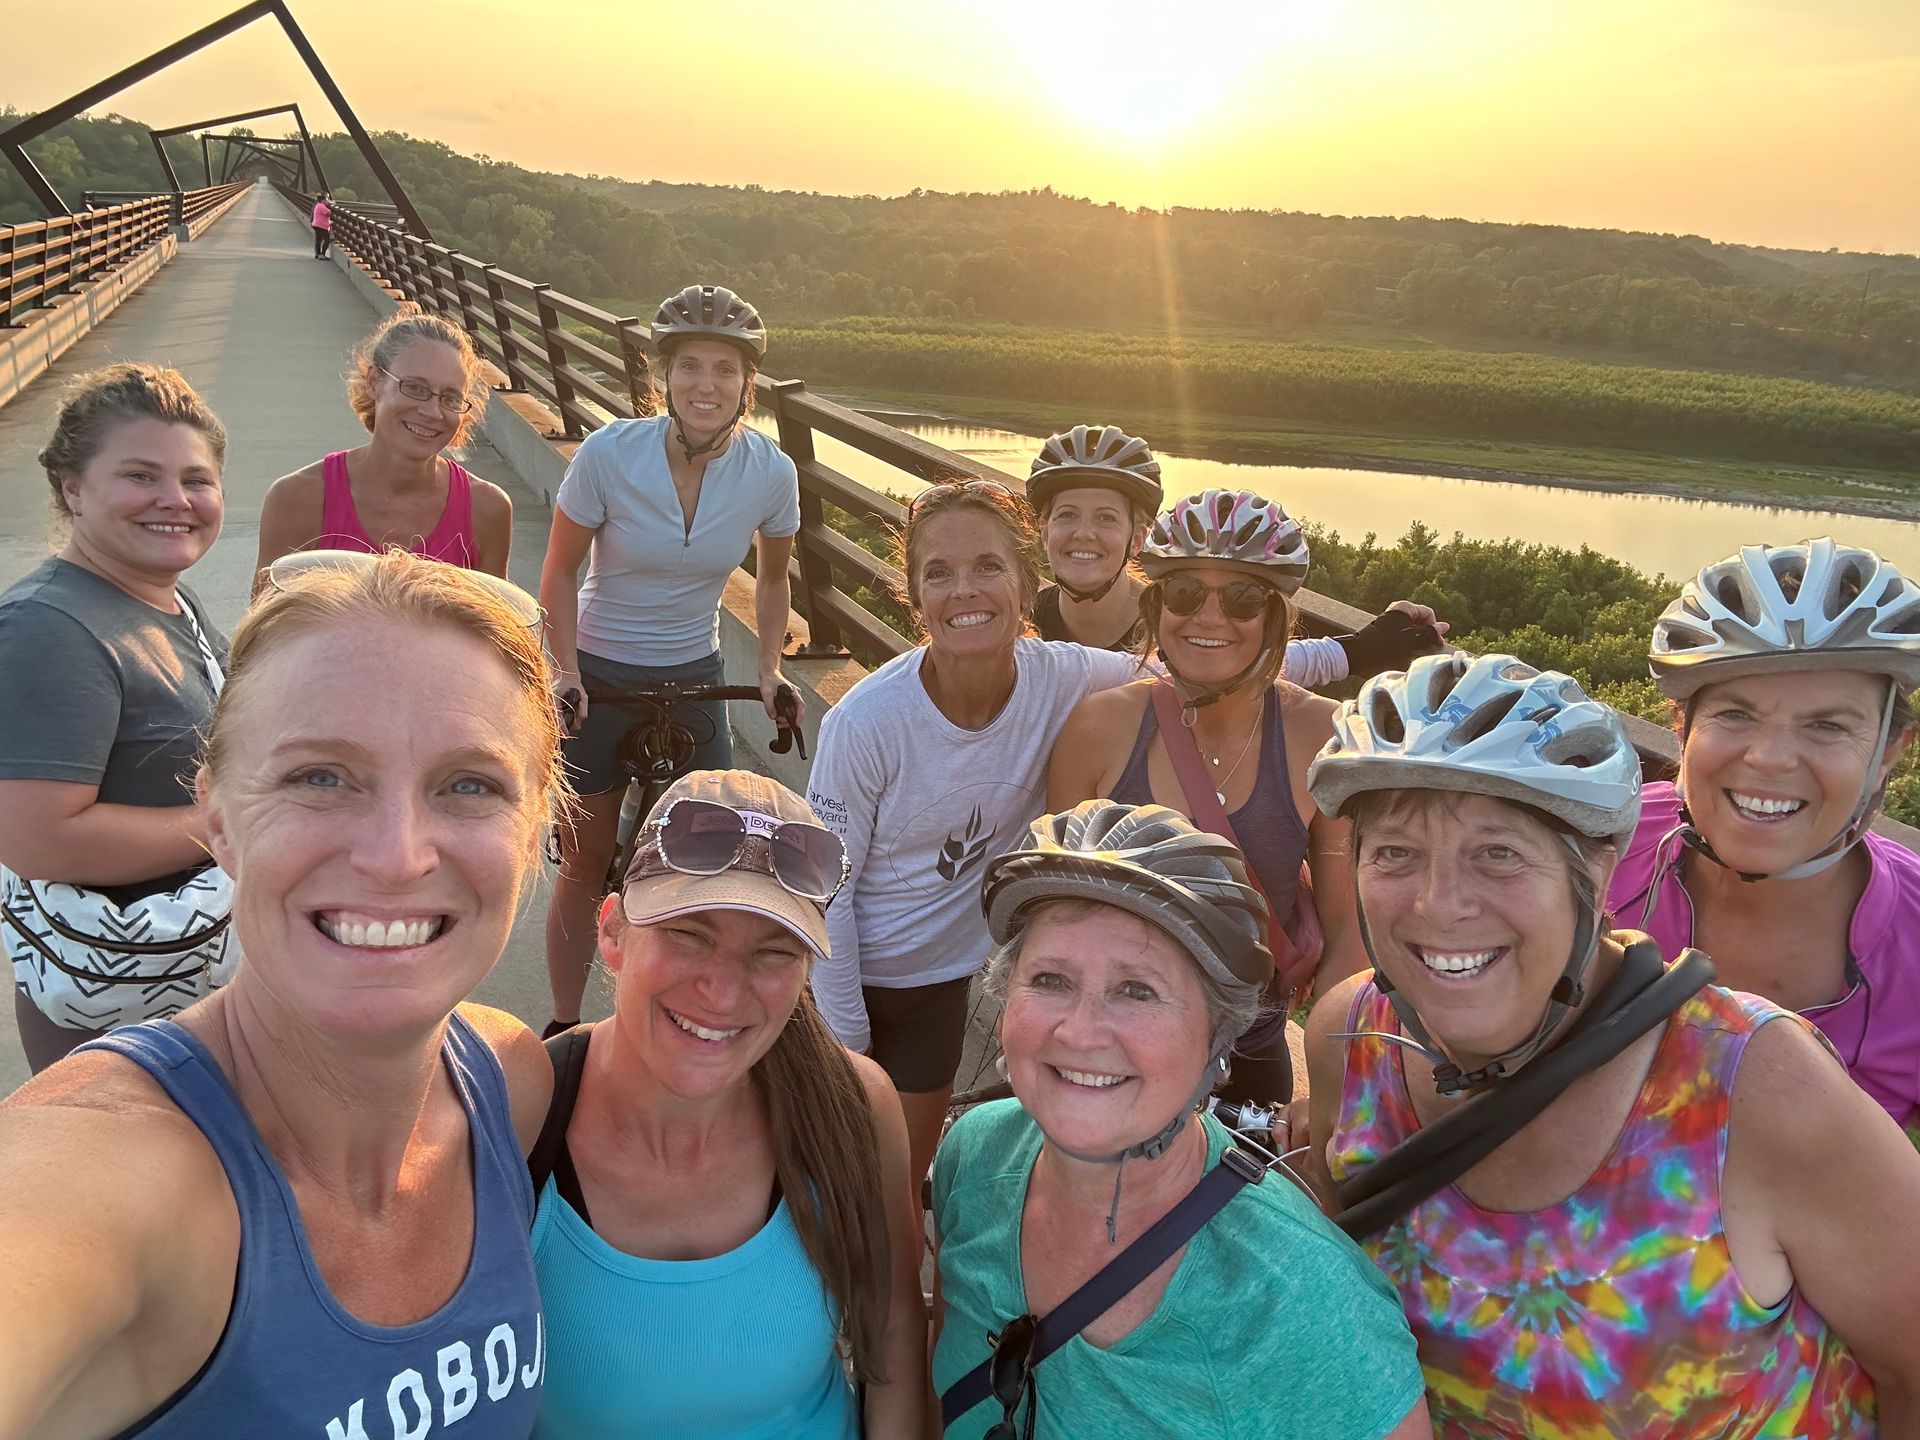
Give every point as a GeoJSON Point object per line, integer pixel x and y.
{"type": "Point", "coordinates": [332, 1197]}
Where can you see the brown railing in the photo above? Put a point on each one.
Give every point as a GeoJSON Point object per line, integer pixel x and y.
{"type": "Point", "coordinates": [44, 259]}
{"type": "Point", "coordinates": [523, 327]}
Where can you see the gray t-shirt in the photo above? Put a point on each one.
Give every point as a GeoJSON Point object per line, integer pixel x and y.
{"type": "Point", "coordinates": [652, 592]}
{"type": "Point", "coordinates": [100, 688]}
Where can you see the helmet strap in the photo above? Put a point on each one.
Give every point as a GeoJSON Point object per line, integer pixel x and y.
{"type": "Point", "coordinates": [1099, 592]}
{"type": "Point", "coordinates": [719, 441]}
{"type": "Point", "coordinates": [1194, 697]}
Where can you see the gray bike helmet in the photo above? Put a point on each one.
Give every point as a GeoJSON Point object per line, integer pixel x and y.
{"type": "Point", "coordinates": [710, 312]}
{"type": "Point", "coordinates": [1818, 605]}
{"type": "Point", "coordinates": [1104, 456]}
{"type": "Point", "coordinates": [1236, 528]}
{"type": "Point", "coordinates": [1490, 725]}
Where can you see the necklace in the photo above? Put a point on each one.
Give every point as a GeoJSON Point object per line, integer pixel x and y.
{"type": "Point", "coordinates": [1222, 781]}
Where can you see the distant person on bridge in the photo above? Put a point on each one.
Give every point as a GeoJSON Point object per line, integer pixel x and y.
{"type": "Point", "coordinates": [663, 508]}
{"type": "Point", "coordinates": [111, 672]}
{"type": "Point", "coordinates": [1096, 490]}
{"type": "Point", "coordinates": [304, 1210]}
{"type": "Point", "coordinates": [322, 226]}
{"type": "Point", "coordinates": [415, 383]}
{"type": "Point", "coordinates": [1792, 669]}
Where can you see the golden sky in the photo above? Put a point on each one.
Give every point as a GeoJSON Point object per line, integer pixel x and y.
{"type": "Point", "coordinates": [1784, 122]}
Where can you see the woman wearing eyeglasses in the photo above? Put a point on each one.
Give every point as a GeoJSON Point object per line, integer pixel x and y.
{"type": "Point", "coordinates": [415, 384]}
{"type": "Point", "coordinates": [1223, 566]}
{"type": "Point", "coordinates": [724, 1209]}
{"type": "Point", "coordinates": [1129, 952]}
{"type": "Point", "coordinates": [1792, 670]}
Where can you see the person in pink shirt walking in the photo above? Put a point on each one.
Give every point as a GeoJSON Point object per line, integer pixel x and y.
{"type": "Point", "coordinates": [322, 226]}
{"type": "Point", "coordinates": [415, 384]}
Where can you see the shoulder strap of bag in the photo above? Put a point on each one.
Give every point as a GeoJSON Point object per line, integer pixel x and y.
{"type": "Point", "coordinates": [1119, 1276]}
{"type": "Point", "coordinates": [1641, 996]}
{"type": "Point", "coordinates": [1203, 804]}
{"type": "Point", "coordinates": [216, 677]}
{"type": "Point", "coordinates": [568, 1052]}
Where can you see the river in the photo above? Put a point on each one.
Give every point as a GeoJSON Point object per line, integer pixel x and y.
{"type": "Point", "coordinates": [1655, 533]}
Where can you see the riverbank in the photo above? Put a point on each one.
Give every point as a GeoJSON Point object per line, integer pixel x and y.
{"type": "Point", "coordinates": [1882, 494]}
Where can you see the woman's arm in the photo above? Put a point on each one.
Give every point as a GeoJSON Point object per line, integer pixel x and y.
{"type": "Point", "coordinates": [567, 545]}
{"type": "Point", "coordinates": [898, 1405]}
{"type": "Point", "coordinates": [772, 600]}
{"type": "Point", "coordinates": [1329, 857]}
{"type": "Point", "coordinates": [291, 518]}
{"type": "Point", "coordinates": [59, 830]}
{"type": "Point", "coordinates": [844, 792]}
{"type": "Point", "coordinates": [1079, 759]}
{"type": "Point", "coordinates": [1838, 1185]}
{"type": "Point", "coordinates": [492, 527]}
{"type": "Point", "coordinates": [1326, 1075]}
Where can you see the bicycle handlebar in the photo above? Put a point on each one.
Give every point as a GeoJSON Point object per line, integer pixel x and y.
{"type": "Point", "coordinates": [663, 695]}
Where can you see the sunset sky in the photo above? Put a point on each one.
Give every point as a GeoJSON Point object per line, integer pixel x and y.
{"type": "Point", "coordinates": [1784, 122]}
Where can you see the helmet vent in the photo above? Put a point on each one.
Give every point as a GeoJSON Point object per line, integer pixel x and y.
{"type": "Point", "coordinates": [1386, 721]}
{"type": "Point", "coordinates": [1486, 719]}
{"type": "Point", "coordinates": [1684, 637]}
{"type": "Point", "coordinates": [1580, 749]}
{"type": "Point", "coordinates": [1790, 570]}
{"type": "Point", "coordinates": [1733, 595]}
{"type": "Point", "coordinates": [1445, 677]}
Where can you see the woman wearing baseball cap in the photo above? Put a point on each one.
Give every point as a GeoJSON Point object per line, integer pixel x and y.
{"type": "Point", "coordinates": [718, 1176]}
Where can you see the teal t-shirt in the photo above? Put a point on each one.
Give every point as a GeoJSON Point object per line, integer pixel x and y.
{"type": "Point", "coordinates": [1274, 1325]}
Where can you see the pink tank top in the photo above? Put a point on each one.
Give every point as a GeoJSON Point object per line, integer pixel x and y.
{"type": "Point", "coordinates": [452, 539]}
{"type": "Point", "coordinates": [1617, 1314]}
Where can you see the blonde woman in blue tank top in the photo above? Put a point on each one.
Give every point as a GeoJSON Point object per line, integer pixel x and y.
{"type": "Point", "coordinates": [302, 1208]}
{"type": "Point", "coordinates": [724, 1205]}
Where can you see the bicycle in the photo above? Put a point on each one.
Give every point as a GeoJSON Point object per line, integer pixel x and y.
{"type": "Point", "coordinates": [658, 749]}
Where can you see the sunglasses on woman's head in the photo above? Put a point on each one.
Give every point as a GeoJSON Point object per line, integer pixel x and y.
{"type": "Point", "coordinates": [1239, 599]}
{"type": "Point", "coordinates": [1011, 1378]}
{"type": "Point", "coordinates": [702, 837]}
{"type": "Point", "coordinates": [286, 572]}
{"type": "Point", "coordinates": [943, 487]}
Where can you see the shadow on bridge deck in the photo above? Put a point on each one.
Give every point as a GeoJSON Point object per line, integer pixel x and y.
{"type": "Point", "coordinates": [263, 331]}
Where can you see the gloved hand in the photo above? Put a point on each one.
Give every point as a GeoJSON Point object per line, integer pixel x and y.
{"type": "Point", "coordinates": [1392, 640]}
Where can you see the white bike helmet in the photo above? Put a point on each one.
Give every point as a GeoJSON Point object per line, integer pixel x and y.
{"type": "Point", "coordinates": [1229, 527]}
{"type": "Point", "coordinates": [1096, 456]}
{"type": "Point", "coordinates": [1488, 725]}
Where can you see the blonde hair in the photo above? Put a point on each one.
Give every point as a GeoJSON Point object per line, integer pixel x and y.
{"type": "Point", "coordinates": [397, 586]}
{"type": "Point", "coordinates": [381, 351]}
{"type": "Point", "coordinates": [101, 399]}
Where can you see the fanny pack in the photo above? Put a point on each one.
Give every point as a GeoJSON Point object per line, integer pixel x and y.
{"type": "Point", "coordinates": [88, 962]}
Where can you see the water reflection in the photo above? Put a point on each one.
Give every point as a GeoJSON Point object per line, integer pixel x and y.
{"type": "Point", "coordinates": [1655, 533]}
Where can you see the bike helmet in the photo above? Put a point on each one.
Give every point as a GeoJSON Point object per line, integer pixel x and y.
{"type": "Point", "coordinates": [1488, 725]}
{"type": "Point", "coordinates": [1229, 527]}
{"type": "Point", "coordinates": [710, 312]}
{"type": "Point", "coordinates": [1106, 457]}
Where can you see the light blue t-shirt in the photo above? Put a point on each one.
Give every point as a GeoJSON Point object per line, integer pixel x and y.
{"type": "Point", "coordinates": [740, 1346]}
{"type": "Point", "coordinates": [1274, 1325]}
{"type": "Point", "coordinates": [652, 592]}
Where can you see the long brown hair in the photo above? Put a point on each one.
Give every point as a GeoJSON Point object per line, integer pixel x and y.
{"type": "Point", "coordinates": [826, 1149]}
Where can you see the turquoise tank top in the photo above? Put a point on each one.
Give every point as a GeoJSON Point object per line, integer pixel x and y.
{"type": "Point", "coordinates": [293, 1360]}
{"type": "Point", "coordinates": [741, 1345]}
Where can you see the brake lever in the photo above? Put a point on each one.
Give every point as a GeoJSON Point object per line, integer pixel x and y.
{"type": "Point", "coordinates": [786, 711]}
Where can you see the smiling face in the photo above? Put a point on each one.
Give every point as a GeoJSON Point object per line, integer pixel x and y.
{"type": "Point", "coordinates": [967, 584]}
{"type": "Point", "coordinates": [148, 502]}
{"type": "Point", "coordinates": [1470, 905]}
{"type": "Point", "coordinates": [1105, 1029]}
{"type": "Point", "coordinates": [1209, 647]}
{"type": "Point", "coordinates": [1090, 535]}
{"type": "Point", "coordinates": [701, 997]}
{"type": "Point", "coordinates": [420, 428]}
{"type": "Point", "coordinates": [378, 804]}
{"type": "Point", "coordinates": [705, 379]}
{"type": "Point", "coordinates": [1773, 765]}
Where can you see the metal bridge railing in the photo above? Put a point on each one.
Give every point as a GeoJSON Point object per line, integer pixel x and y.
{"type": "Point", "coordinates": [41, 260]}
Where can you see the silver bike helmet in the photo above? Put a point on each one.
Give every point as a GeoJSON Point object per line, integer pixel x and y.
{"type": "Point", "coordinates": [1229, 527]}
{"type": "Point", "coordinates": [1818, 605]}
{"type": "Point", "coordinates": [1488, 725]}
{"type": "Point", "coordinates": [1096, 456]}
{"type": "Point", "coordinates": [710, 312]}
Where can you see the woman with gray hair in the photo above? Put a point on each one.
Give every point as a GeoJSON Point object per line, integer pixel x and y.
{"type": "Point", "coordinates": [1129, 954]}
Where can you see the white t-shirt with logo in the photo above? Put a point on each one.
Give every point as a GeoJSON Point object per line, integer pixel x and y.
{"type": "Point", "coordinates": [922, 806]}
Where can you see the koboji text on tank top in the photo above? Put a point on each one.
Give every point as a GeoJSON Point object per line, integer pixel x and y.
{"type": "Point", "coordinates": [456, 1380]}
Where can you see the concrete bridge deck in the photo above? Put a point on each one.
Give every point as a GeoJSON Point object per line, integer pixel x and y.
{"type": "Point", "coordinates": [263, 331]}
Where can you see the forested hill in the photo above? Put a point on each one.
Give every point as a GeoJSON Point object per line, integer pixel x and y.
{"type": "Point", "coordinates": [1046, 258]}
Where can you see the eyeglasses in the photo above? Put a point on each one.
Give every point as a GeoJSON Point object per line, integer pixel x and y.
{"type": "Point", "coordinates": [947, 487]}
{"type": "Point", "coordinates": [701, 837]}
{"type": "Point", "coordinates": [1011, 1377]}
{"type": "Point", "coordinates": [452, 401]}
{"type": "Point", "coordinates": [286, 572]}
{"type": "Point", "coordinates": [1239, 599]}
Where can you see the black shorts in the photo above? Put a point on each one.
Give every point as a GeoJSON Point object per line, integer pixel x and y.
{"type": "Point", "coordinates": [918, 1033]}
{"type": "Point", "coordinates": [593, 756]}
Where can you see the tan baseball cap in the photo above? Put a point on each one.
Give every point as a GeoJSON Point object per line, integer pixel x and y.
{"type": "Point", "coordinates": [654, 891]}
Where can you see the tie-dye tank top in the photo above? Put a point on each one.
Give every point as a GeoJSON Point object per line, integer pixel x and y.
{"type": "Point", "coordinates": [1615, 1315]}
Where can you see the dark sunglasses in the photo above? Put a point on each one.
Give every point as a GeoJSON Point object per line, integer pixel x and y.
{"type": "Point", "coordinates": [1011, 1378]}
{"type": "Point", "coordinates": [1239, 599]}
{"type": "Point", "coordinates": [700, 837]}
{"type": "Point", "coordinates": [942, 487]}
